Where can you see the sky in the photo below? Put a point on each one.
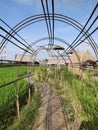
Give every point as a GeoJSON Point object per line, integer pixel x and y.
{"type": "Point", "coordinates": [14, 11]}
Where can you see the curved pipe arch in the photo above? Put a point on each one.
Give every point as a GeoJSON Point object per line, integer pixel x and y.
{"type": "Point", "coordinates": [60, 40]}
{"type": "Point", "coordinates": [75, 23]}
{"type": "Point", "coordinates": [57, 39]}
{"type": "Point", "coordinates": [39, 48]}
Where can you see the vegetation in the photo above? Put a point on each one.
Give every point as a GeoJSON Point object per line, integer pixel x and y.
{"type": "Point", "coordinates": [79, 99]}
{"type": "Point", "coordinates": [96, 74]}
{"type": "Point", "coordinates": [8, 111]}
{"type": "Point", "coordinates": [8, 94]}
{"type": "Point", "coordinates": [28, 115]}
{"type": "Point", "coordinates": [8, 74]}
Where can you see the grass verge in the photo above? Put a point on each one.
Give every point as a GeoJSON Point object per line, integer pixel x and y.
{"type": "Point", "coordinates": [28, 115]}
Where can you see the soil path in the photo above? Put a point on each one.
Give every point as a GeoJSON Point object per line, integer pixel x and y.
{"type": "Point", "coordinates": [50, 112]}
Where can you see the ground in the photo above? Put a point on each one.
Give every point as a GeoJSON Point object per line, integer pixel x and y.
{"type": "Point", "coordinates": [50, 112]}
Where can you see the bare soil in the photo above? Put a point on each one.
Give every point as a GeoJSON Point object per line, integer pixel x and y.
{"type": "Point", "coordinates": [50, 112]}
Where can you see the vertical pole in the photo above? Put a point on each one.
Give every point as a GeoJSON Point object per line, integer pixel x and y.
{"type": "Point", "coordinates": [81, 58]}
{"type": "Point", "coordinates": [61, 79]}
{"type": "Point", "coordinates": [17, 105]}
{"type": "Point", "coordinates": [29, 94]}
{"type": "Point", "coordinates": [29, 90]}
{"type": "Point", "coordinates": [58, 60]}
{"type": "Point", "coordinates": [35, 88]}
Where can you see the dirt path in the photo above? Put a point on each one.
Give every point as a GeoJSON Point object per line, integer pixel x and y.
{"type": "Point", "coordinates": [50, 112]}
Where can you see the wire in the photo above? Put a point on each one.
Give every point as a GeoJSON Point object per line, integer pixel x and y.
{"type": "Point", "coordinates": [73, 43]}
{"type": "Point", "coordinates": [85, 38]}
{"type": "Point", "coordinates": [15, 44]}
{"type": "Point", "coordinates": [14, 38]}
{"type": "Point", "coordinates": [85, 32]}
{"type": "Point", "coordinates": [46, 21]}
{"type": "Point", "coordinates": [49, 19]}
{"type": "Point", "coordinates": [22, 77]}
{"type": "Point", "coordinates": [15, 32]}
{"type": "Point", "coordinates": [53, 19]}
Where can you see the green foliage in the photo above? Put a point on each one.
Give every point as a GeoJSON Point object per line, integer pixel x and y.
{"type": "Point", "coordinates": [28, 115]}
{"type": "Point", "coordinates": [83, 97]}
{"type": "Point", "coordinates": [8, 74]}
{"type": "Point", "coordinates": [7, 94]}
{"type": "Point", "coordinates": [8, 113]}
{"type": "Point", "coordinates": [96, 73]}
{"type": "Point", "coordinates": [40, 73]}
{"type": "Point", "coordinates": [79, 98]}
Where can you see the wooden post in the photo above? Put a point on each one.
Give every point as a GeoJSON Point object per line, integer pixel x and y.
{"type": "Point", "coordinates": [29, 94]}
{"type": "Point", "coordinates": [29, 80]}
{"type": "Point", "coordinates": [61, 80]}
{"type": "Point", "coordinates": [35, 88]}
{"type": "Point", "coordinates": [55, 74]}
{"type": "Point", "coordinates": [17, 105]}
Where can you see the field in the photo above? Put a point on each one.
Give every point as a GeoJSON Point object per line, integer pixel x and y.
{"type": "Point", "coordinates": [8, 74]}
{"type": "Point", "coordinates": [8, 93]}
{"type": "Point", "coordinates": [78, 95]}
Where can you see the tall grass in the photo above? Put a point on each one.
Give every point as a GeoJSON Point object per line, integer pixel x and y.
{"type": "Point", "coordinates": [7, 94]}
{"type": "Point", "coordinates": [28, 110]}
{"type": "Point", "coordinates": [28, 114]}
{"type": "Point", "coordinates": [40, 73]}
{"type": "Point", "coordinates": [8, 74]}
{"type": "Point", "coordinates": [79, 98]}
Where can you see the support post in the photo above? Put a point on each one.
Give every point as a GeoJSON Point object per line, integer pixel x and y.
{"type": "Point", "coordinates": [29, 94]}
{"type": "Point", "coordinates": [17, 105]}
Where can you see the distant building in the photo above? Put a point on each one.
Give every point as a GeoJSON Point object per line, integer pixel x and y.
{"type": "Point", "coordinates": [88, 56]}
{"type": "Point", "coordinates": [82, 60]}
{"type": "Point", "coordinates": [24, 58]}
{"type": "Point", "coordinates": [78, 56]}
{"type": "Point", "coordinates": [56, 61]}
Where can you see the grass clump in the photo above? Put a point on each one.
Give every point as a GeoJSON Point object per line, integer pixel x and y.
{"type": "Point", "coordinates": [28, 115]}
{"type": "Point", "coordinates": [79, 97]}
{"type": "Point", "coordinates": [8, 94]}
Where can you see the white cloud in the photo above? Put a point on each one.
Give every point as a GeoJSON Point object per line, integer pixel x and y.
{"type": "Point", "coordinates": [72, 4]}
{"type": "Point", "coordinates": [24, 1]}
{"type": "Point", "coordinates": [69, 4]}
{"type": "Point", "coordinates": [28, 2]}
{"type": "Point", "coordinates": [63, 29]}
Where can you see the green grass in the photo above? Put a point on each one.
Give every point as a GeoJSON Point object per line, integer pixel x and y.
{"type": "Point", "coordinates": [96, 73]}
{"type": "Point", "coordinates": [40, 73]}
{"type": "Point", "coordinates": [8, 112]}
{"type": "Point", "coordinates": [79, 95]}
{"type": "Point", "coordinates": [8, 74]}
{"type": "Point", "coordinates": [79, 98]}
{"type": "Point", "coordinates": [28, 115]}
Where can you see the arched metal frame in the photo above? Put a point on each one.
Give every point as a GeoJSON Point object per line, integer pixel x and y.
{"type": "Point", "coordinates": [58, 17]}
{"type": "Point", "coordinates": [43, 48]}
{"type": "Point", "coordinates": [57, 39]}
{"type": "Point", "coordinates": [39, 48]}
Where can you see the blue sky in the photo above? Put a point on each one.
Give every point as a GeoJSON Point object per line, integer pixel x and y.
{"type": "Point", "coordinates": [14, 11]}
